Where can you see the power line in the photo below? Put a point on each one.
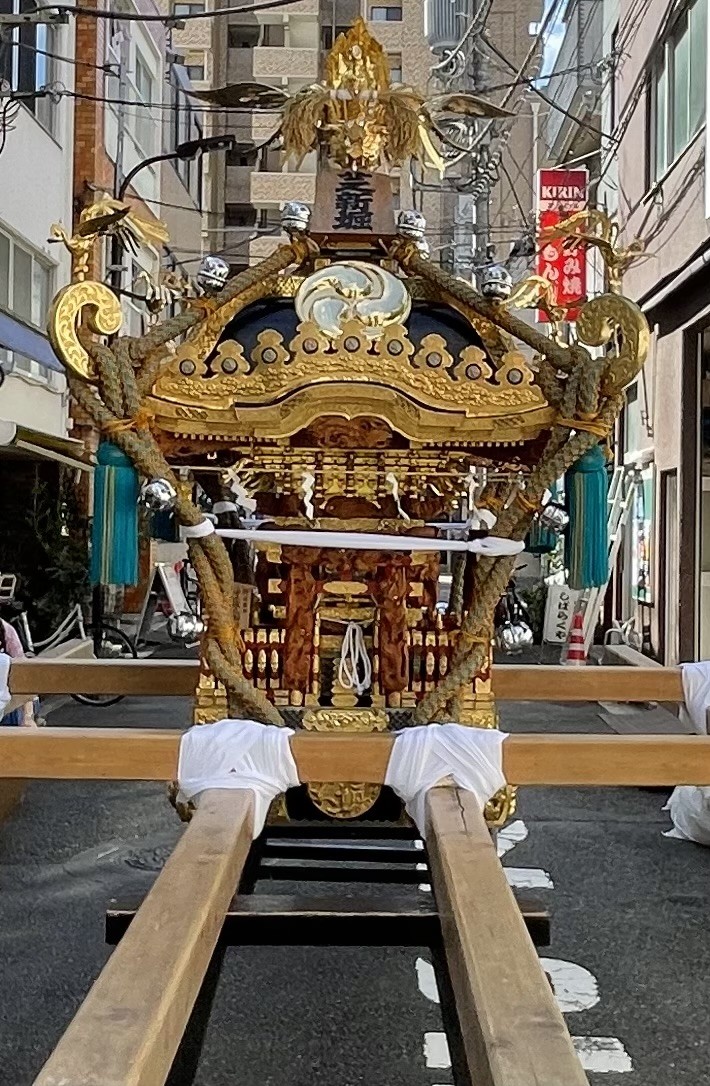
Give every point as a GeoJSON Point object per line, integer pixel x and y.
{"type": "Point", "coordinates": [167, 20]}
{"type": "Point", "coordinates": [550, 101]}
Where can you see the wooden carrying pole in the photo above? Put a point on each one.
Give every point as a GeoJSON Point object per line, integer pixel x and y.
{"type": "Point", "coordinates": [510, 682]}
{"type": "Point", "coordinates": [512, 1029]}
{"type": "Point", "coordinates": [143, 754]}
{"type": "Point", "coordinates": [129, 1027]}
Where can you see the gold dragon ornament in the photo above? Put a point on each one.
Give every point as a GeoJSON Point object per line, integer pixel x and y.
{"type": "Point", "coordinates": [594, 228]}
{"type": "Point", "coordinates": [98, 305]}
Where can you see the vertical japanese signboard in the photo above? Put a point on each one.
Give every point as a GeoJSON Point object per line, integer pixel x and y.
{"type": "Point", "coordinates": [354, 207]}
{"type": "Point", "coordinates": [564, 264]}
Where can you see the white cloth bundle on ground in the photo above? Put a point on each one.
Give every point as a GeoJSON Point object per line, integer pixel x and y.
{"type": "Point", "coordinates": [244, 754]}
{"type": "Point", "coordinates": [425, 756]}
{"type": "Point", "coordinates": [237, 754]}
{"type": "Point", "coordinates": [689, 804]}
{"type": "Point", "coordinates": [5, 696]}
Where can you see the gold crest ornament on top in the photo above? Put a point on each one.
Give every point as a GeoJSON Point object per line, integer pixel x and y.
{"type": "Point", "coordinates": [356, 115]}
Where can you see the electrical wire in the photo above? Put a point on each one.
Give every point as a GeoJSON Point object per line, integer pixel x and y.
{"type": "Point", "coordinates": [550, 101]}
{"type": "Point", "coordinates": [509, 179]}
{"type": "Point", "coordinates": [166, 20]}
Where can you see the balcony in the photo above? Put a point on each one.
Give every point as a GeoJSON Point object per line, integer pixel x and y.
{"type": "Point", "coordinates": [280, 62]}
{"type": "Point", "coordinates": [274, 189]}
{"type": "Point", "coordinates": [578, 90]}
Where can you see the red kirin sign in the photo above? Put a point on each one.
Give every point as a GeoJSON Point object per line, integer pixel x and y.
{"type": "Point", "coordinates": [560, 193]}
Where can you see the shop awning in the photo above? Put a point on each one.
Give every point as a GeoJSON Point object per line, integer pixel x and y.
{"type": "Point", "coordinates": [18, 336]}
{"type": "Point", "coordinates": [20, 441]}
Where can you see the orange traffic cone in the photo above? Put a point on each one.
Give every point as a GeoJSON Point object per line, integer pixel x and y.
{"type": "Point", "coordinates": [574, 654]}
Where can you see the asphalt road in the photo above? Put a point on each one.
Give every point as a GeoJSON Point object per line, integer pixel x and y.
{"type": "Point", "coordinates": [630, 918]}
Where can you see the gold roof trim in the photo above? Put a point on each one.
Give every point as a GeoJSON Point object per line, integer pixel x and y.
{"type": "Point", "coordinates": [281, 388]}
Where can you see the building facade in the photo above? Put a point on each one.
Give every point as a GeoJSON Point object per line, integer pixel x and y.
{"type": "Point", "coordinates": [37, 146]}
{"type": "Point", "coordinates": [660, 104]}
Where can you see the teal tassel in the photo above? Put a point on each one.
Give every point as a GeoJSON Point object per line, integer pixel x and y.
{"type": "Point", "coordinates": [586, 487]}
{"type": "Point", "coordinates": [541, 540]}
{"type": "Point", "coordinates": [114, 535]}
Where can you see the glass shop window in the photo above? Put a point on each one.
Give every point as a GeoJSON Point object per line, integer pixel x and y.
{"type": "Point", "coordinates": [678, 81]}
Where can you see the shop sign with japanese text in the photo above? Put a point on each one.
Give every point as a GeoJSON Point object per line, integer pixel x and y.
{"type": "Point", "coordinates": [564, 264]}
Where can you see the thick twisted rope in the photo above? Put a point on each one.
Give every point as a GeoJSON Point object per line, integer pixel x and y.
{"type": "Point", "coordinates": [120, 413]}
{"type": "Point", "coordinates": [582, 420]}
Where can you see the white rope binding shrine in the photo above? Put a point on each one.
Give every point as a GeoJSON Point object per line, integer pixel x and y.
{"type": "Point", "coordinates": [491, 545]}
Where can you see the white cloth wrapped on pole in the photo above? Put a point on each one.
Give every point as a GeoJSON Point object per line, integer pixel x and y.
{"type": "Point", "coordinates": [237, 754]}
{"type": "Point", "coordinates": [689, 804]}
{"type": "Point", "coordinates": [5, 696]}
{"type": "Point", "coordinates": [491, 546]}
{"type": "Point", "coordinates": [428, 755]}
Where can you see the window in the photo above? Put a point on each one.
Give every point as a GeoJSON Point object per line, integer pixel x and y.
{"type": "Point", "coordinates": [678, 81]}
{"type": "Point", "coordinates": [243, 37]}
{"type": "Point", "coordinates": [186, 125]}
{"type": "Point", "coordinates": [386, 15]}
{"type": "Point", "coordinates": [195, 7]}
{"type": "Point", "coordinates": [273, 34]}
{"type": "Point", "coordinates": [269, 217]}
{"type": "Point", "coordinates": [326, 36]}
{"type": "Point", "coordinates": [196, 72]}
{"type": "Point", "coordinates": [25, 64]}
{"type": "Point", "coordinates": [25, 282]}
{"type": "Point", "coordinates": [244, 154]}
{"type": "Point", "coordinates": [395, 63]}
{"type": "Point", "coordinates": [239, 215]}
{"type": "Point", "coordinates": [145, 127]}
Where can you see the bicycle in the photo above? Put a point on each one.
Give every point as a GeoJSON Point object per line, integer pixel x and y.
{"type": "Point", "coordinates": [624, 633]}
{"type": "Point", "coordinates": [112, 643]}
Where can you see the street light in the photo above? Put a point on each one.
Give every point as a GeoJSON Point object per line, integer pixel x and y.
{"type": "Point", "coordinates": [184, 152]}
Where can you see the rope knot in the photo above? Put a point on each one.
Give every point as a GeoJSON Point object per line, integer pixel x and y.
{"type": "Point", "coordinates": [142, 420]}
{"type": "Point", "coordinates": [590, 426]}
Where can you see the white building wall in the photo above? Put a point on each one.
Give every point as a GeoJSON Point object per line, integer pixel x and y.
{"type": "Point", "coordinates": [36, 191]}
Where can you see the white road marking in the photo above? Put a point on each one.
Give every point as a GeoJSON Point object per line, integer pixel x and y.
{"type": "Point", "coordinates": [510, 836]}
{"type": "Point", "coordinates": [576, 989]}
{"type": "Point", "coordinates": [424, 887]}
{"type": "Point", "coordinates": [602, 1055]}
{"type": "Point", "coordinates": [529, 878]}
{"type": "Point", "coordinates": [426, 979]}
{"type": "Point", "coordinates": [436, 1050]}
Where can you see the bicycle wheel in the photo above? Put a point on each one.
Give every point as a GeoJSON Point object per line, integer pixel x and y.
{"type": "Point", "coordinates": [113, 645]}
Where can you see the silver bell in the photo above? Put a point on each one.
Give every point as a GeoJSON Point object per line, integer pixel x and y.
{"type": "Point", "coordinates": [507, 639]}
{"type": "Point", "coordinates": [158, 495]}
{"type": "Point", "coordinates": [185, 627]}
{"type": "Point", "coordinates": [523, 634]}
{"type": "Point", "coordinates": [295, 217]}
{"type": "Point", "coordinates": [212, 273]}
{"type": "Point", "coordinates": [411, 224]}
{"type": "Point", "coordinates": [495, 282]}
{"type": "Point", "coordinates": [554, 518]}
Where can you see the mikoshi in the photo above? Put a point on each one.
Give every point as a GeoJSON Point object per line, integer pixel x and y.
{"type": "Point", "coordinates": [351, 396]}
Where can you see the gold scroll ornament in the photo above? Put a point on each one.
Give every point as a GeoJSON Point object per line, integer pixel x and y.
{"type": "Point", "coordinates": [88, 306]}
{"type": "Point", "coordinates": [344, 799]}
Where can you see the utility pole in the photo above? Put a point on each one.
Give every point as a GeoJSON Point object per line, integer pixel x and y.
{"type": "Point", "coordinates": [482, 215]}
